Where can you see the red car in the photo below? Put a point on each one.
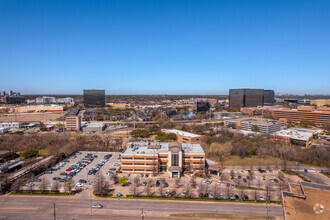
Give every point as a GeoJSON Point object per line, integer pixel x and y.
{"type": "Point", "coordinates": [69, 169]}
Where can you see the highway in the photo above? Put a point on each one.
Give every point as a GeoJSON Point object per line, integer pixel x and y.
{"type": "Point", "coordinates": [79, 207]}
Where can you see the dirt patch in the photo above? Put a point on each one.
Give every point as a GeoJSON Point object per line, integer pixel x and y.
{"type": "Point", "coordinates": [32, 117]}
{"type": "Point", "coordinates": [296, 208]}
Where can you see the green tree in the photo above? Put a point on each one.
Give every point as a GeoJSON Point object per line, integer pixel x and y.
{"type": "Point", "coordinates": [123, 180]}
{"type": "Point", "coordinates": [255, 128]}
{"type": "Point", "coordinates": [28, 154]}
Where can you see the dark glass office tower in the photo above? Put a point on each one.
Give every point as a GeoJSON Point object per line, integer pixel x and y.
{"type": "Point", "coordinates": [269, 97]}
{"type": "Point", "coordinates": [94, 98]}
{"type": "Point", "coordinates": [246, 98]}
{"type": "Point", "coordinates": [203, 106]}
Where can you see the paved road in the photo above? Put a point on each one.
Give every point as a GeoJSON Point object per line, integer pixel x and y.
{"type": "Point", "coordinates": [79, 207]}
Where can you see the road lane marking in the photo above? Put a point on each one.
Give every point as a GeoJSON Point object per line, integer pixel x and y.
{"type": "Point", "coordinates": [20, 208]}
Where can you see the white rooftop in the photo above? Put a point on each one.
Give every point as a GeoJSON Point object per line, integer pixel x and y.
{"type": "Point", "coordinates": [142, 148]}
{"type": "Point", "coordinates": [95, 125]}
{"type": "Point", "coordinates": [182, 133]}
{"type": "Point", "coordinates": [295, 134]}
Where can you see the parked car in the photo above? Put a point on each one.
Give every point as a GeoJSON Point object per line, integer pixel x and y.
{"type": "Point", "coordinates": [144, 183]}
{"type": "Point", "coordinates": [63, 174]}
{"type": "Point", "coordinates": [244, 180]}
{"type": "Point", "coordinates": [157, 183]}
{"type": "Point", "coordinates": [261, 197]}
{"type": "Point", "coordinates": [56, 178]}
{"type": "Point", "coordinates": [141, 175]}
{"type": "Point", "coordinates": [236, 196]}
{"type": "Point", "coordinates": [82, 181]}
{"type": "Point", "coordinates": [211, 195]}
{"type": "Point", "coordinates": [219, 182]}
{"type": "Point", "coordinates": [79, 185]}
{"type": "Point", "coordinates": [168, 192]}
{"type": "Point", "coordinates": [246, 197]}
{"type": "Point", "coordinates": [184, 194]}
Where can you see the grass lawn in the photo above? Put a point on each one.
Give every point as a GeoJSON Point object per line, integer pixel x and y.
{"type": "Point", "coordinates": [215, 215]}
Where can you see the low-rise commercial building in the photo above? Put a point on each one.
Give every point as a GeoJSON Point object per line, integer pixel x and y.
{"type": "Point", "coordinates": [320, 118]}
{"type": "Point", "coordinates": [226, 115]}
{"type": "Point", "coordinates": [266, 126]}
{"type": "Point", "coordinates": [96, 127]}
{"type": "Point", "coordinates": [296, 136]}
{"type": "Point", "coordinates": [11, 125]}
{"type": "Point", "coordinates": [320, 102]}
{"type": "Point", "coordinates": [183, 136]}
{"type": "Point", "coordinates": [173, 158]}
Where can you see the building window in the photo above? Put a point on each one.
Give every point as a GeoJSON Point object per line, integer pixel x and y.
{"type": "Point", "coordinates": [163, 163]}
{"type": "Point", "coordinates": [127, 158]}
{"type": "Point", "coordinates": [163, 157]}
{"type": "Point", "coordinates": [139, 164]}
{"type": "Point", "coordinates": [127, 163]}
{"type": "Point", "coordinates": [127, 170]}
{"type": "Point", "coordinates": [198, 158]}
{"type": "Point", "coordinates": [175, 160]}
{"type": "Point", "coordinates": [150, 158]}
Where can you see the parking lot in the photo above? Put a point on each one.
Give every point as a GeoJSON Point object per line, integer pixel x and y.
{"type": "Point", "coordinates": [80, 167]}
{"type": "Point", "coordinates": [244, 185]}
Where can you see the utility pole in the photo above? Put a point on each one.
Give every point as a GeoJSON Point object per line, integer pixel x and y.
{"type": "Point", "coordinates": [134, 120]}
{"type": "Point", "coordinates": [54, 212]}
{"type": "Point", "coordinates": [143, 214]}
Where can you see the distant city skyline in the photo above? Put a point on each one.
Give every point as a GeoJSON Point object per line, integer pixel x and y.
{"type": "Point", "coordinates": [165, 47]}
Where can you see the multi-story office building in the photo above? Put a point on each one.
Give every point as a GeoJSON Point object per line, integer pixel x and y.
{"type": "Point", "coordinates": [94, 98]}
{"type": "Point", "coordinates": [173, 158]}
{"type": "Point", "coordinates": [3, 93]}
{"type": "Point", "coordinates": [320, 102]}
{"type": "Point", "coordinates": [269, 97]}
{"type": "Point", "coordinates": [45, 100]}
{"type": "Point", "coordinates": [320, 118]}
{"type": "Point", "coordinates": [73, 120]}
{"type": "Point", "coordinates": [265, 126]}
{"type": "Point", "coordinates": [183, 136]}
{"type": "Point", "coordinates": [246, 98]}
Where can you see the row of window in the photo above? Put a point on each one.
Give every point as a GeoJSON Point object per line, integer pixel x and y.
{"type": "Point", "coordinates": [131, 158]}
{"type": "Point", "coordinates": [139, 164]}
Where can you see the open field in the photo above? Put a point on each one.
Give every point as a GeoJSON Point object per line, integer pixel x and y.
{"type": "Point", "coordinates": [31, 117]}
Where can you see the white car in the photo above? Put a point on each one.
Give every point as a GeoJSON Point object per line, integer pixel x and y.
{"type": "Point", "coordinates": [79, 185]}
{"type": "Point", "coordinates": [219, 182]}
{"type": "Point", "coordinates": [97, 206]}
{"type": "Point", "coordinates": [261, 197]}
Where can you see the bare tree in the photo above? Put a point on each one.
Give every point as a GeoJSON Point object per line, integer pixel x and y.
{"type": "Point", "coordinates": [161, 189]}
{"type": "Point", "coordinates": [147, 188]}
{"type": "Point", "coordinates": [201, 190]}
{"type": "Point", "coordinates": [115, 178]}
{"type": "Point", "coordinates": [242, 192]}
{"type": "Point", "coordinates": [135, 185]}
{"type": "Point", "coordinates": [177, 182]}
{"type": "Point", "coordinates": [255, 195]}
{"type": "Point", "coordinates": [232, 174]}
{"type": "Point", "coordinates": [193, 182]}
{"type": "Point", "coordinates": [68, 185]}
{"type": "Point", "coordinates": [101, 185]}
{"type": "Point", "coordinates": [56, 186]}
{"type": "Point", "coordinates": [44, 184]}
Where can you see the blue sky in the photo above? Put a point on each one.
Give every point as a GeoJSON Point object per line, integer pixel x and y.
{"type": "Point", "coordinates": [164, 47]}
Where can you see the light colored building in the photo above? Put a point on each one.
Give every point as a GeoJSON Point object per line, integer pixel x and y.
{"type": "Point", "coordinates": [296, 136]}
{"type": "Point", "coordinates": [67, 100]}
{"type": "Point", "coordinates": [266, 126]}
{"type": "Point", "coordinates": [11, 125]}
{"type": "Point", "coordinates": [96, 127]}
{"type": "Point", "coordinates": [119, 105]}
{"type": "Point", "coordinates": [320, 102]}
{"type": "Point", "coordinates": [173, 158]}
{"type": "Point", "coordinates": [183, 136]}
{"type": "Point", "coordinates": [73, 123]}
{"type": "Point", "coordinates": [226, 115]}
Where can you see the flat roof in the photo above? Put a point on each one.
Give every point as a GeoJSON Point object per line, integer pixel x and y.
{"type": "Point", "coordinates": [295, 134]}
{"type": "Point", "coordinates": [182, 133]}
{"type": "Point", "coordinates": [95, 125]}
{"type": "Point", "coordinates": [142, 148]}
